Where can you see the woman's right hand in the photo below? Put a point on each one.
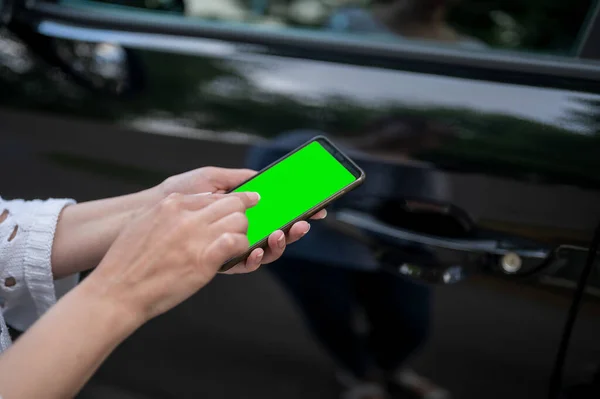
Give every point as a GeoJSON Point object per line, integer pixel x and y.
{"type": "Point", "coordinates": [171, 251]}
{"type": "Point", "coordinates": [162, 256]}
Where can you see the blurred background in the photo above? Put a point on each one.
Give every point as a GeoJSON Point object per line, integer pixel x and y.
{"type": "Point", "coordinates": [447, 275]}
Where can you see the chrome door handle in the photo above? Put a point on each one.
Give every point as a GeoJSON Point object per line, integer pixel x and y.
{"type": "Point", "coordinates": [435, 258]}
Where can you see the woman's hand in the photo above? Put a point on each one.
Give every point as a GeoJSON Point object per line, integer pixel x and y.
{"type": "Point", "coordinates": [85, 231]}
{"type": "Point", "coordinates": [162, 256]}
{"type": "Point", "coordinates": [172, 250]}
{"type": "Point", "coordinates": [220, 180]}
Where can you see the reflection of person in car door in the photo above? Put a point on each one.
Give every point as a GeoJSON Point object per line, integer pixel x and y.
{"type": "Point", "coordinates": [332, 277]}
{"type": "Point", "coordinates": [412, 19]}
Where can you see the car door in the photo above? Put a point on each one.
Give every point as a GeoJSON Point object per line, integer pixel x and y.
{"type": "Point", "coordinates": [100, 98]}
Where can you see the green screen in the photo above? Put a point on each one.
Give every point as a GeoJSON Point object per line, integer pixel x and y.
{"type": "Point", "coordinates": [292, 187]}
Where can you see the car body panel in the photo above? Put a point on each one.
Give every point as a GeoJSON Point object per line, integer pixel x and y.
{"type": "Point", "coordinates": [524, 166]}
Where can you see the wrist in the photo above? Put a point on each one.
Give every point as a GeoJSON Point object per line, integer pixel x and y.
{"type": "Point", "coordinates": [141, 202]}
{"type": "Point", "coordinates": [122, 315]}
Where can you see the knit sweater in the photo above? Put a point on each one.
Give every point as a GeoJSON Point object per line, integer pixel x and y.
{"type": "Point", "coordinates": [27, 287]}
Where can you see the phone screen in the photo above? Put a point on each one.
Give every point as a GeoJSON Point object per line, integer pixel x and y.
{"type": "Point", "coordinates": [292, 187]}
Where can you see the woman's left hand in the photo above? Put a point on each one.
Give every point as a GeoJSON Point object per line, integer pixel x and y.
{"type": "Point", "coordinates": [221, 180]}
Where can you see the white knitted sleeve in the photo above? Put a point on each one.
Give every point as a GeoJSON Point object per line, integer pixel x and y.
{"type": "Point", "coordinates": [27, 287]}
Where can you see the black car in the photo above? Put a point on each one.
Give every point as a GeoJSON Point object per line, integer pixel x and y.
{"type": "Point", "coordinates": [100, 98]}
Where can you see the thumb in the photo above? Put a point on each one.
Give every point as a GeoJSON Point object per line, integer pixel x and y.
{"type": "Point", "coordinates": [194, 202]}
{"type": "Point", "coordinates": [226, 179]}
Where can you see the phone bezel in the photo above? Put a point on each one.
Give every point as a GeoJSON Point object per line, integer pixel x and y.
{"type": "Point", "coordinates": [350, 165]}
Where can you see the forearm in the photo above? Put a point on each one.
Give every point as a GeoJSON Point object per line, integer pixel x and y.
{"type": "Point", "coordinates": [85, 231]}
{"type": "Point", "coordinates": [60, 352]}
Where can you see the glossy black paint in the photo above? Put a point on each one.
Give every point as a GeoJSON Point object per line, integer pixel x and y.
{"type": "Point", "coordinates": [522, 171]}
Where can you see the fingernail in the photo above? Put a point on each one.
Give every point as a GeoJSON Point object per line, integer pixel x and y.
{"type": "Point", "coordinates": [260, 256]}
{"type": "Point", "coordinates": [324, 216]}
{"type": "Point", "coordinates": [307, 229]}
{"type": "Point", "coordinates": [200, 194]}
{"type": "Point", "coordinates": [254, 197]}
{"type": "Point", "coordinates": [281, 241]}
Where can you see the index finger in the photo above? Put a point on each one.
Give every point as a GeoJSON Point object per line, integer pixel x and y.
{"type": "Point", "coordinates": [230, 203]}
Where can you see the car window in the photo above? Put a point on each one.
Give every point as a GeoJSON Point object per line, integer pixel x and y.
{"type": "Point", "coordinates": [542, 26]}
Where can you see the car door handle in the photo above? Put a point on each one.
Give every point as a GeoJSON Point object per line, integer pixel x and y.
{"type": "Point", "coordinates": [438, 259]}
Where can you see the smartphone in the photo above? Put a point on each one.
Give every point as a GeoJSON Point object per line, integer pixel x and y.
{"type": "Point", "coordinates": [294, 188]}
